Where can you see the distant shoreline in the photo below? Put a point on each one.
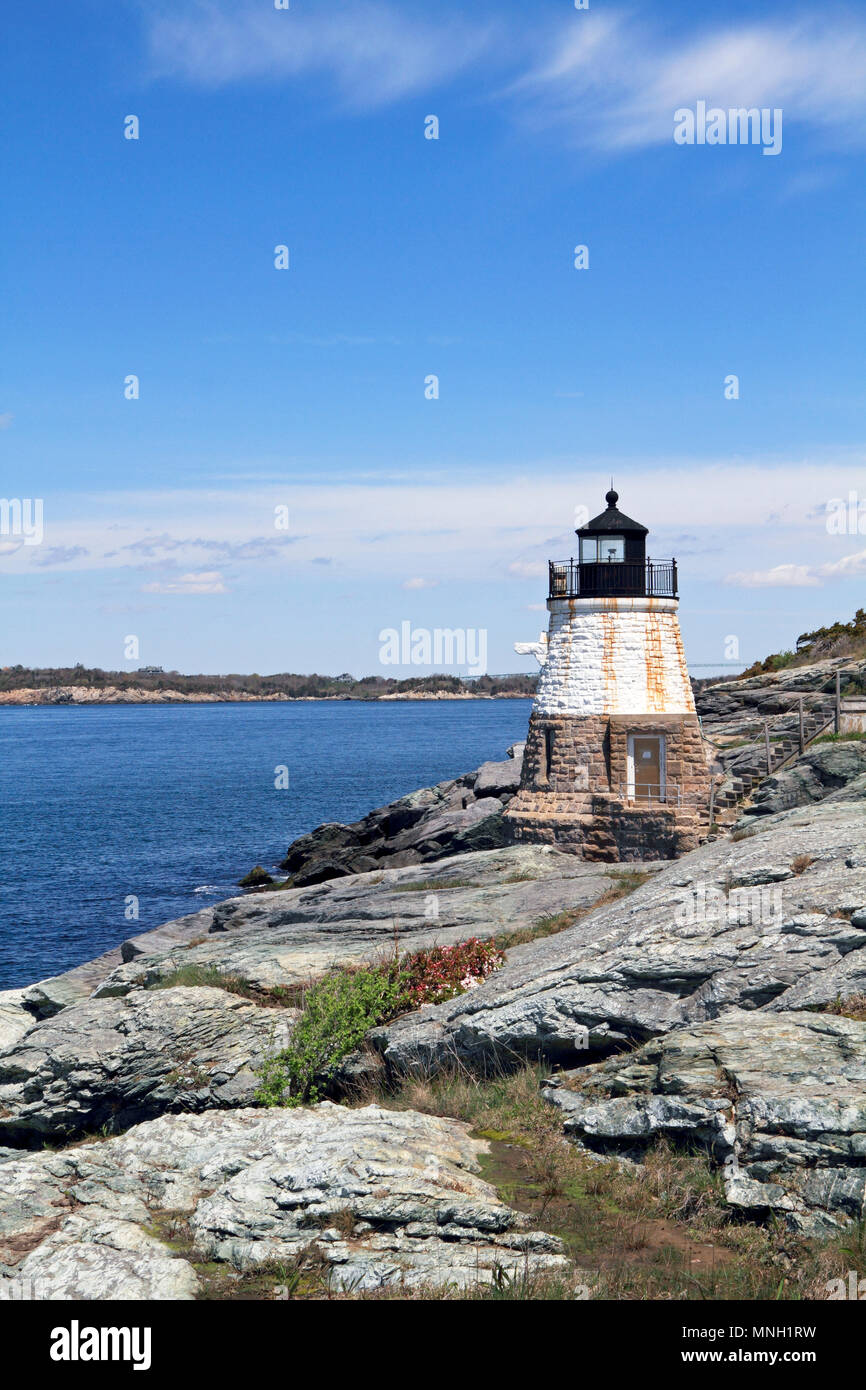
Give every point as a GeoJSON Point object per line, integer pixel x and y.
{"type": "Point", "coordinates": [64, 699]}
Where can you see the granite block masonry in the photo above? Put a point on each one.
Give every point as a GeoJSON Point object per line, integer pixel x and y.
{"type": "Point", "coordinates": [615, 766]}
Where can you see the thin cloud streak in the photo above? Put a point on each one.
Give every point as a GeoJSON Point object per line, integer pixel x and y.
{"type": "Point", "coordinates": [462, 529]}
{"type": "Point", "coordinates": [800, 576]}
{"type": "Point", "coordinates": [206, 582]}
{"type": "Point", "coordinates": [608, 83]}
{"type": "Point", "coordinates": [613, 83]}
{"type": "Point", "coordinates": [373, 53]}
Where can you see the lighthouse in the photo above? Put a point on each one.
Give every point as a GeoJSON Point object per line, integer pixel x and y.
{"type": "Point", "coordinates": [615, 765]}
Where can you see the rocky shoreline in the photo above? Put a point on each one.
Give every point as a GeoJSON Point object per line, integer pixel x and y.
{"type": "Point", "coordinates": [716, 1001]}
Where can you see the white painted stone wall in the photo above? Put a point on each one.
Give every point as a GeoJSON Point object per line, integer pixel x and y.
{"type": "Point", "coordinates": [614, 656]}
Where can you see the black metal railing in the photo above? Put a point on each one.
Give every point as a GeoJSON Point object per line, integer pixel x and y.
{"type": "Point", "coordinates": [651, 579]}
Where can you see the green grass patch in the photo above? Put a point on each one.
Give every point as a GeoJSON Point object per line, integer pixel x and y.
{"type": "Point", "coordinates": [627, 881]}
{"type": "Point", "coordinates": [660, 1230]}
{"type": "Point", "coordinates": [621, 886]}
{"type": "Point", "coordinates": [856, 736]}
{"type": "Point", "coordinates": [545, 926]}
{"type": "Point", "coordinates": [208, 977]}
{"type": "Point", "coordinates": [852, 1007]}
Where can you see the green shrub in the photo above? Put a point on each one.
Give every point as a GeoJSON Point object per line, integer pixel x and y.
{"type": "Point", "coordinates": [340, 1010]}
{"type": "Point", "coordinates": [338, 1013]}
{"type": "Point", "coordinates": [780, 660]}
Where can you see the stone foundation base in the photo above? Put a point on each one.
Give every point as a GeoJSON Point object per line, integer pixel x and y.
{"type": "Point", "coordinates": [604, 829]}
{"type": "Point", "coordinates": [574, 792]}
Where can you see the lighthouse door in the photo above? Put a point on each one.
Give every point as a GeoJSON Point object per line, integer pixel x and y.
{"type": "Point", "coordinates": [646, 767]}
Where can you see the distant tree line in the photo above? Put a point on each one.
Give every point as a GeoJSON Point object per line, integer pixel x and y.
{"type": "Point", "coordinates": [344, 687]}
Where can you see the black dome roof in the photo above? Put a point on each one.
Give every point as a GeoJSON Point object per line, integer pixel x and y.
{"type": "Point", "coordinates": [611, 520]}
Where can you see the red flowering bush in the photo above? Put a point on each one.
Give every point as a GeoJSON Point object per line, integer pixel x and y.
{"type": "Point", "coordinates": [442, 972]}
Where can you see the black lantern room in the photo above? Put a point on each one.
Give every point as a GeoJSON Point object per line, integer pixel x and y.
{"type": "Point", "coordinates": [612, 561]}
{"type": "Point", "coordinates": [612, 538]}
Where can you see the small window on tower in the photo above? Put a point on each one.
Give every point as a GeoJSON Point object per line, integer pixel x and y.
{"type": "Point", "coordinates": [588, 550]}
{"type": "Point", "coordinates": [612, 549]}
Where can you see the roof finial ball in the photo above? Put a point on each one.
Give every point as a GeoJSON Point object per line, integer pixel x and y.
{"type": "Point", "coordinates": [611, 498]}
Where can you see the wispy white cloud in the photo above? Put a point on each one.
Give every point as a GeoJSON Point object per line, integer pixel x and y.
{"type": "Point", "coordinates": [779, 577]}
{"type": "Point", "coordinates": [419, 582]}
{"type": "Point", "coordinates": [849, 567]}
{"type": "Point", "coordinates": [800, 576]}
{"type": "Point", "coordinates": [607, 82]}
{"type": "Point", "coordinates": [204, 582]}
{"type": "Point", "coordinates": [371, 53]}
{"type": "Point", "coordinates": [613, 81]}
{"type": "Point", "coordinates": [221, 551]}
{"type": "Point", "coordinates": [59, 554]}
{"type": "Point", "coordinates": [527, 569]}
{"type": "Point", "coordinates": [331, 340]}
{"type": "Point", "coordinates": [459, 528]}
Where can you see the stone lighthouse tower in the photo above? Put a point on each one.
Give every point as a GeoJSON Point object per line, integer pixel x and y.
{"type": "Point", "coordinates": [614, 767]}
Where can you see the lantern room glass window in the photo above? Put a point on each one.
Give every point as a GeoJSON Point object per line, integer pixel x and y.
{"type": "Point", "coordinates": [611, 549]}
{"type": "Point", "coordinates": [588, 550]}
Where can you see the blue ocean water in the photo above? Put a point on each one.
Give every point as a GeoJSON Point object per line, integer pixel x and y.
{"type": "Point", "coordinates": [173, 804]}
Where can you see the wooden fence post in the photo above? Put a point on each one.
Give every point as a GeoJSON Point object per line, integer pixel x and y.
{"type": "Point", "coordinates": [838, 702]}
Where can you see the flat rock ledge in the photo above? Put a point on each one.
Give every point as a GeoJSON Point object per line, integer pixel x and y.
{"type": "Point", "coordinates": [21, 1008]}
{"type": "Point", "coordinates": [774, 921]}
{"type": "Point", "coordinates": [111, 1063]}
{"type": "Point", "coordinates": [374, 1197]}
{"type": "Point", "coordinates": [290, 936]}
{"type": "Point", "coordinates": [778, 1099]}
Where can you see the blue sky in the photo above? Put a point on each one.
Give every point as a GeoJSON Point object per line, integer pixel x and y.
{"type": "Point", "coordinates": [304, 388]}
